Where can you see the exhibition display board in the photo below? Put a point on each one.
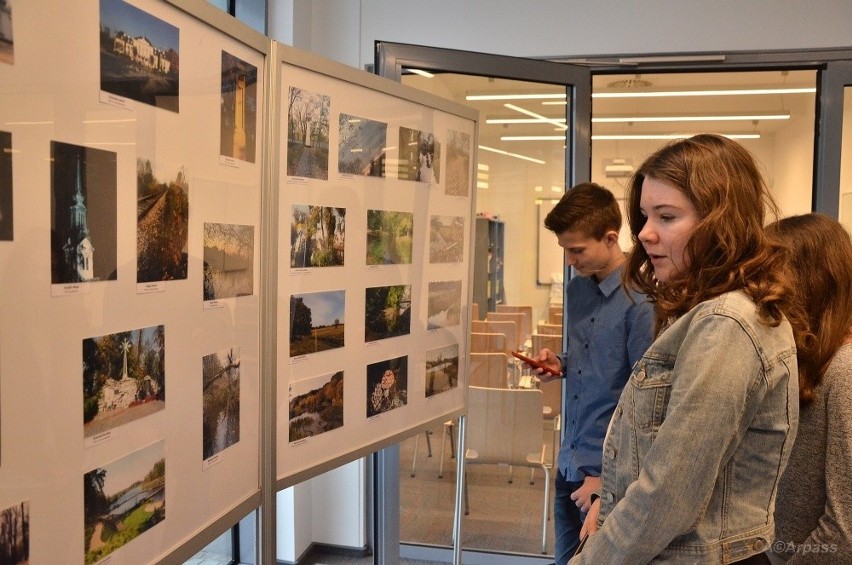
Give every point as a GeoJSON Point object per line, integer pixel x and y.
{"type": "Point", "coordinates": [218, 256]}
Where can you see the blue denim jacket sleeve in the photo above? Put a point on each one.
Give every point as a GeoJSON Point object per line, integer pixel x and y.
{"type": "Point", "coordinates": [715, 384]}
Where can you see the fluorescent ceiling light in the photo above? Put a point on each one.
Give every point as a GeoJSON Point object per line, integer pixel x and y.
{"type": "Point", "coordinates": [560, 121]}
{"type": "Point", "coordinates": [532, 138]}
{"type": "Point", "coordinates": [539, 117]}
{"type": "Point", "coordinates": [518, 96]}
{"type": "Point", "coordinates": [559, 98]}
{"type": "Point", "coordinates": [670, 136]}
{"type": "Point", "coordinates": [421, 73]}
{"type": "Point", "coordinates": [45, 123]}
{"type": "Point", "coordinates": [110, 121]}
{"type": "Point", "coordinates": [725, 118]}
{"type": "Point", "coordinates": [515, 155]}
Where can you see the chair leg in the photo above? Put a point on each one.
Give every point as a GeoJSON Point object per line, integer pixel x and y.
{"type": "Point", "coordinates": [428, 443]}
{"type": "Point", "coordinates": [466, 500]}
{"type": "Point", "coordinates": [448, 428]}
{"type": "Point", "coordinates": [545, 512]}
{"type": "Point", "coordinates": [414, 456]}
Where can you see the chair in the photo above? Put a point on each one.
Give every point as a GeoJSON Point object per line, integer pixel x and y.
{"type": "Point", "coordinates": [417, 448]}
{"type": "Point", "coordinates": [551, 329]}
{"type": "Point", "coordinates": [504, 428]}
{"type": "Point", "coordinates": [554, 314]}
{"type": "Point", "coordinates": [552, 390]}
{"type": "Point", "coordinates": [509, 329]}
{"type": "Point", "coordinates": [522, 309]}
{"type": "Point", "coordinates": [520, 321]}
{"type": "Point", "coordinates": [488, 343]}
{"type": "Point", "coordinates": [474, 311]}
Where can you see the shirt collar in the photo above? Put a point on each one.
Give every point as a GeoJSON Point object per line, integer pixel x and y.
{"type": "Point", "coordinates": [611, 282]}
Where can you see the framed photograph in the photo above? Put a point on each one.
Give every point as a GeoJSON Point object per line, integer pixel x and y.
{"type": "Point", "coordinates": [220, 386]}
{"type": "Point", "coordinates": [124, 378]}
{"type": "Point", "coordinates": [419, 156]}
{"type": "Point", "coordinates": [389, 237]}
{"type": "Point", "coordinates": [238, 109]}
{"type": "Point", "coordinates": [446, 239]}
{"type": "Point", "coordinates": [122, 500]}
{"type": "Point", "coordinates": [458, 164]}
{"type": "Point", "coordinates": [317, 322]}
{"type": "Point", "coordinates": [387, 312]}
{"type": "Point", "coordinates": [316, 406]}
{"type": "Point", "coordinates": [442, 369]}
{"type": "Point", "coordinates": [317, 236]}
{"type": "Point", "coordinates": [228, 261]}
{"type": "Point", "coordinates": [307, 134]}
{"type": "Point", "coordinates": [162, 224]}
{"type": "Point", "coordinates": [139, 55]}
{"type": "Point", "coordinates": [444, 309]}
{"type": "Point", "coordinates": [387, 385]}
{"type": "Point", "coordinates": [83, 214]}
{"type": "Point", "coordinates": [361, 146]}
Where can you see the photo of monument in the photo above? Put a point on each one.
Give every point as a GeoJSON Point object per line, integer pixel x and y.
{"type": "Point", "coordinates": [238, 109]}
{"type": "Point", "coordinates": [307, 134]}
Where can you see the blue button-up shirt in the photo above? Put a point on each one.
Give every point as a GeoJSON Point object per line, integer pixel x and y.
{"type": "Point", "coordinates": [607, 333]}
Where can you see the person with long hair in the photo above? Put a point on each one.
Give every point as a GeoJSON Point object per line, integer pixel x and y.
{"type": "Point", "coordinates": [813, 515]}
{"type": "Point", "coordinates": [706, 422]}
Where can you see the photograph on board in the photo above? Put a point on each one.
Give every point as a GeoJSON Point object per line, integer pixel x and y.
{"type": "Point", "coordinates": [442, 369]}
{"type": "Point", "coordinates": [162, 224]}
{"type": "Point", "coordinates": [387, 312]}
{"type": "Point", "coordinates": [317, 236]}
{"type": "Point", "coordinates": [387, 385]}
{"type": "Point", "coordinates": [361, 146]}
{"type": "Point", "coordinates": [316, 406]}
{"type": "Point", "coordinates": [307, 134]}
{"type": "Point", "coordinates": [238, 109]}
{"type": "Point", "coordinates": [317, 321]}
{"type": "Point", "coordinates": [228, 261]}
{"type": "Point", "coordinates": [220, 391]}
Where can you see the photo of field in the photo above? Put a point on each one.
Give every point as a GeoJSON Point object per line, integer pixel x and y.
{"type": "Point", "coordinates": [139, 55]}
{"type": "Point", "coordinates": [446, 239]}
{"type": "Point", "coordinates": [389, 237]}
{"type": "Point", "coordinates": [220, 385]}
{"type": "Point", "coordinates": [444, 310]}
{"type": "Point", "coordinates": [419, 156]}
{"type": "Point", "coordinates": [83, 214]}
{"type": "Point", "coordinates": [307, 134]}
{"type": "Point", "coordinates": [122, 500]}
{"type": "Point", "coordinates": [228, 261]}
{"type": "Point", "coordinates": [238, 109]}
{"type": "Point", "coordinates": [162, 224]}
{"type": "Point", "coordinates": [361, 146]}
{"type": "Point", "coordinates": [388, 312]}
{"type": "Point", "coordinates": [6, 210]}
{"type": "Point", "coordinates": [319, 408]}
{"type": "Point", "coordinates": [316, 321]}
{"type": "Point", "coordinates": [442, 369]}
{"type": "Point", "coordinates": [123, 378]}
{"type": "Point", "coordinates": [387, 385]}
{"type": "Point", "coordinates": [317, 236]}
{"type": "Point", "coordinates": [15, 534]}
{"type": "Point", "coordinates": [458, 164]}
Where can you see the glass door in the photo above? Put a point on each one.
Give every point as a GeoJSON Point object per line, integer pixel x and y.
{"type": "Point", "coordinates": [534, 142]}
{"type": "Point", "coordinates": [836, 141]}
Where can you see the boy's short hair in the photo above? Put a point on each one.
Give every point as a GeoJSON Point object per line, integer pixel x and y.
{"type": "Point", "coordinates": [587, 208]}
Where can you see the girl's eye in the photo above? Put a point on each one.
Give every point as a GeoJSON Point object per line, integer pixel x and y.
{"type": "Point", "coordinates": [666, 217]}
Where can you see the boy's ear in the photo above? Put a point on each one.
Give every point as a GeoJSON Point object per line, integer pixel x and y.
{"type": "Point", "coordinates": [611, 237]}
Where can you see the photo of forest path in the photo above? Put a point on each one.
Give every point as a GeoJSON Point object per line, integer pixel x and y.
{"type": "Point", "coordinates": [319, 410]}
{"type": "Point", "coordinates": [317, 322]}
{"type": "Point", "coordinates": [123, 378]}
{"type": "Point", "coordinates": [122, 500]}
{"type": "Point", "coordinates": [317, 236]}
{"type": "Point", "coordinates": [389, 237]}
{"type": "Point", "coordinates": [307, 134]}
{"type": "Point", "coordinates": [458, 163]}
{"type": "Point", "coordinates": [15, 534]}
{"type": "Point", "coordinates": [388, 312]}
{"type": "Point", "coordinates": [442, 369]}
{"type": "Point", "coordinates": [162, 226]}
{"type": "Point", "coordinates": [220, 423]}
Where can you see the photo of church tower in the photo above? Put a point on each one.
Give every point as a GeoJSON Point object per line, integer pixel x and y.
{"type": "Point", "coordinates": [83, 214]}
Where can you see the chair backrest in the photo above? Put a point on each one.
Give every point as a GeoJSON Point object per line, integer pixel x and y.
{"type": "Point", "coordinates": [488, 343]}
{"type": "Point", "coordinates": [489, 370]}
{"type": "Point", "coordinates": [514, 317]}
{"type": "Point", "coordinates": [551, 329]}
{"type": "Point", "coordinates": [504, 426]}
{"type": "Point", "coordinates": [509, 329]}
{"type": "Point", "coordinates": [520, 309]}
{"type": "Point", "coordinates": [552, 342]}
{"type": "Point", "coordinates": [474, 310]}
{"type": "Point", "coordinates": [554, 314]}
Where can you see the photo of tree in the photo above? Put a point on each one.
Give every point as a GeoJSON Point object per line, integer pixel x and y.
{"type": "Point", "coordinates": [389, 237]}
{"type": "Point", "coordinates": [387, 385]}
{"type": "Point", "coordinates": [139, 55]}
{"type": "Point", "coordinates": [124, 378]}
{"type": "Point", "coordinates": [361, 146]}
{"type": "Point", "coordinates": [388, 312]}
{"type": "Point", "coordinates": [317, 236]}
{"type": "Point", "coordinates": [307, 134]}
{"type": "Point", "coordinates": [220, 385]}
{"type": "Point", "coordinates": [7, 43]}
{"type": "Point", "coordinates": [83, 214]}
{"type": "Point", "coordinates": [317, 410]}
{"type": "Point", "coordinates": [15, 534]}
{"type": "Point", "coordinates": [444, 310]}
{"type": "Point", "coordinates": [446, 239]}
{"type": "Point", "coordinates": [238, 109]}
{"type": "Point", "coordinates": [122, 500]}
{"type": "Point", "coordinates": [316, 321]}
{"type": "Point", "coordinates": [6, 210]}
{"type": "Point", "coordinates": [228, 261]}
{"type": "Point", "coordinates": [162, 225]}
{"type": "Point", "coordinates": [458, 163]}
{"type": "Point", "coordinates": [442, 369]}
{"type": "Point", "coordinates": [419, 156]}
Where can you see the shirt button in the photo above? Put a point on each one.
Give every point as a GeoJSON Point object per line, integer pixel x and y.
{"type": "Point", "coordinates": [572, 446]}
{"type": "Point", "coordinates": [576, 396]}
{"type": "Point", "coordinates": [608, 496]}
{"type": "Point", "coordinates": [593, 320]}
{"type": "Point", "coordinates": [580, 372]}
{"type": "Point", "coordinates": [611, 454]}
{"type": "Point", "coordinates": [587, 346]}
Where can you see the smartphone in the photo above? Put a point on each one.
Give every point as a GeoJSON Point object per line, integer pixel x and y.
{"type": "Point", "coordinates": [535, 364]}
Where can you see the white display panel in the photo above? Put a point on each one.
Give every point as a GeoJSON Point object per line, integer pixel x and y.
{"type": "Point", "coordinates": [109, 315]}
{"type": "Point", "coordinates": [375, 223]}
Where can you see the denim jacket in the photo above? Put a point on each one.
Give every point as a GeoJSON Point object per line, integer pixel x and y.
{"type": "Point", "coordinates": [698, 441]}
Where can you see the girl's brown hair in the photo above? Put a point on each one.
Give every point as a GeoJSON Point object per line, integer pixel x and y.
{"type": "Point", "coordinates": [820, 264]}
{"type": "Point", "coordinates": [729, 248]}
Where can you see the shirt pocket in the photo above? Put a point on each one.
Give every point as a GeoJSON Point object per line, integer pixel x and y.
{"type": "Point", "coordinates": [650, 388]}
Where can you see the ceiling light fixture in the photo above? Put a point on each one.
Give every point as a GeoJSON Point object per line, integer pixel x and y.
{"type": "Point", "coordinates": [508, 154]}
{"type": "Point", "coordinates": [518, 96]}
{"type": "Point", "coordinates": [539, 117]}
{"type": "Point", "coordinates": [559, 98]}
{"type": "Point", "coordinates": [421, 73]}
{"type": "Point", "coordinates": [721, 118]}
{"type": "Point", "coordinates": [670, 136]}
{"type": "Point", "coordinates": [532, 138]}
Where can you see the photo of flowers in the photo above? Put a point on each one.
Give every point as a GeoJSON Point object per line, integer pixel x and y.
{"type": "Point", "coordinates": [387, 385]}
